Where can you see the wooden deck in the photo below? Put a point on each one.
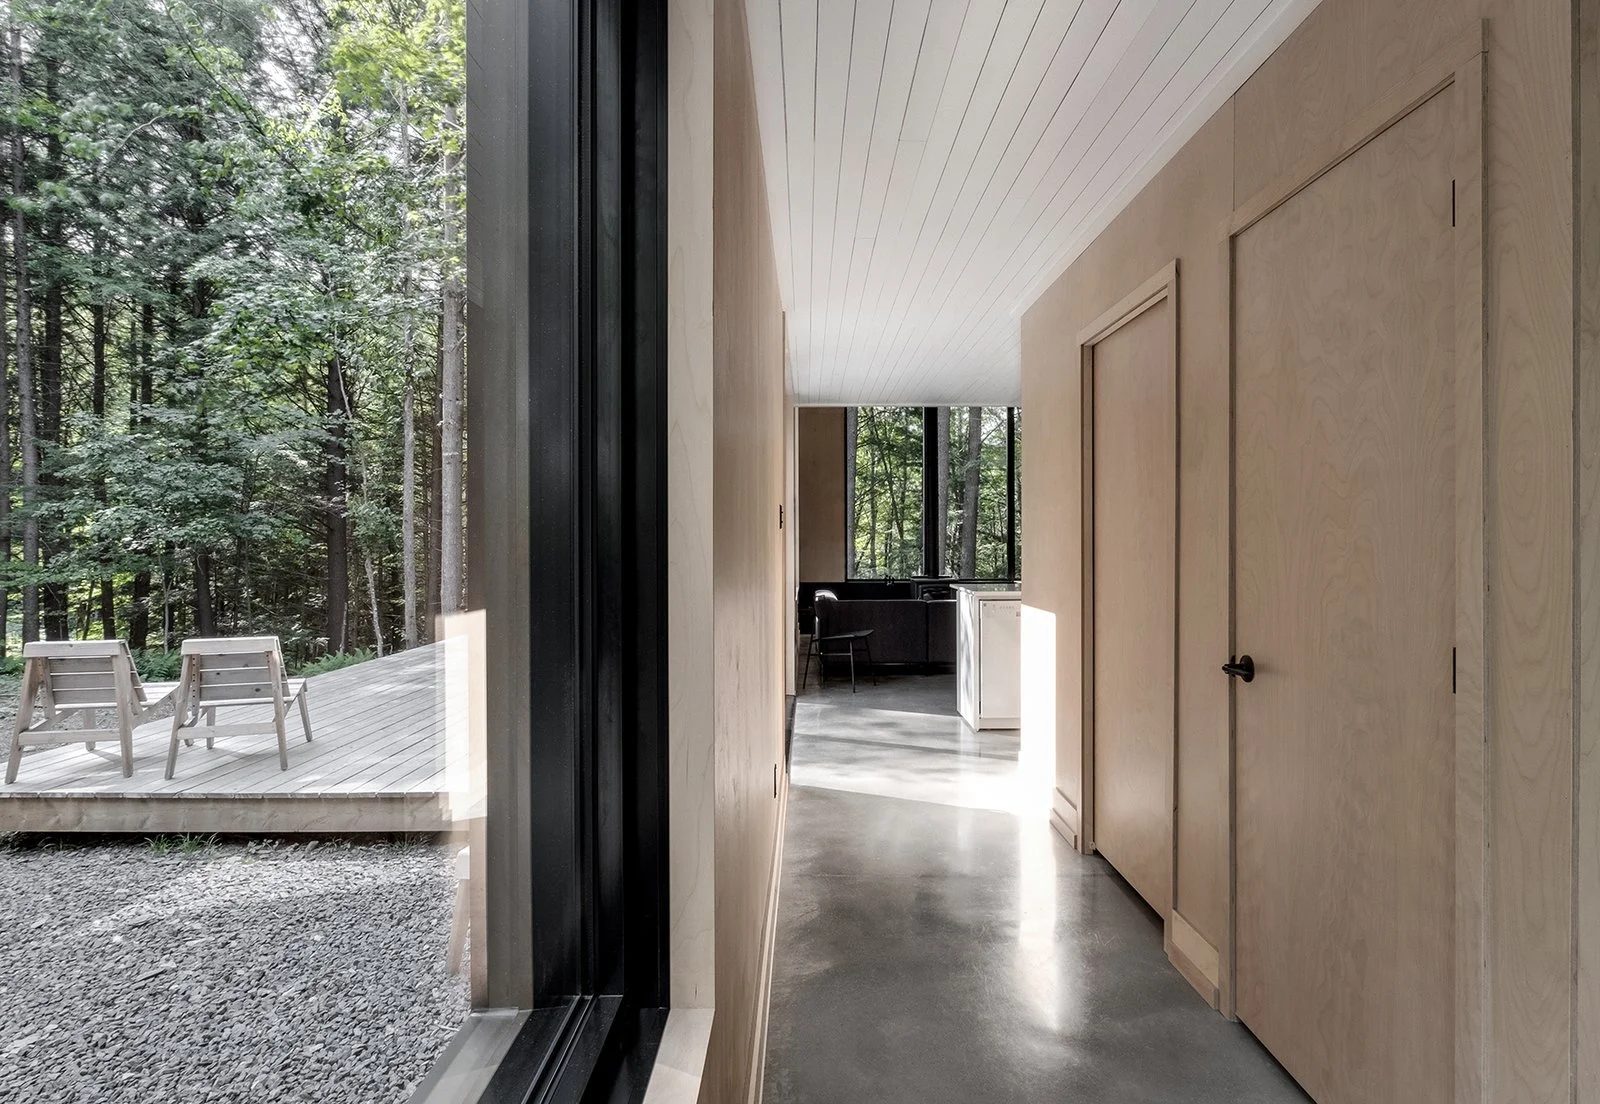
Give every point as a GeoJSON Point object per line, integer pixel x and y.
{"type": "Point", "coordinates": [376, 764]}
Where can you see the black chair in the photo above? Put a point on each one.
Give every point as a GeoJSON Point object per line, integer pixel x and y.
{"type": "Point", "coordinates": [822, 639]}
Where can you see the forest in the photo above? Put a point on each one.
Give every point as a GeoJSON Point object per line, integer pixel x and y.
{"type": "Point", "coordinates": [232, 367]}
{"type": "Point", "coordinates": [884, 485]}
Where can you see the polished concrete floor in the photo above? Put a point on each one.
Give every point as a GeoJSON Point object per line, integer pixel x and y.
{"type": "Point", "coordinates": [937, 942]}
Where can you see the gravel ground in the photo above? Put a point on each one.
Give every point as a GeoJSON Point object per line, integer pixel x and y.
{"type": "Point", "coordinates": [186, 970]}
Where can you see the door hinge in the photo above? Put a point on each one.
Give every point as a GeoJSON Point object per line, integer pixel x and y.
{"type": "Point", "coordinates": [1452, 203]}
{"type": "Point", "coordinates": [780, 515]}
{"type": "Point", "coordinates": [1452, 670]}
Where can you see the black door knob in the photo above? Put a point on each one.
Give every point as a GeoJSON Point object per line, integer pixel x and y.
{"type": "Point", "coordinates": [1240, 667]}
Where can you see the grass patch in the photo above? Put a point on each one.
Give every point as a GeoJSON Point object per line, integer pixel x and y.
{"type": "Point", "coordinates": [186, 844]}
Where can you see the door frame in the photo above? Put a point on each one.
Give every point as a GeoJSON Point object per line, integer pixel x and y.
{"type": "Point", "coordinates": [1459, 65]}
{"type": "Point", "coordinates": [1162, 287]}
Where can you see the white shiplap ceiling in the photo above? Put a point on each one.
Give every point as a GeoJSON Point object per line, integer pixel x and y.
{"type": "Point", "coordinates": [933, 164]}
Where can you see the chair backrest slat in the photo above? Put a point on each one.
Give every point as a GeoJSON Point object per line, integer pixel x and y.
{"type": "Point", "coordinates": [60, 681]}
{"type": "Point", "coordinates": [77, 699]}
{"type": "Point", "coordinates": [233, 661]}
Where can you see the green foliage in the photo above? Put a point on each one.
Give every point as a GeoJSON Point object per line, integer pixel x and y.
{"type": "Point", "coordinates": [888, 492]}
{"type": "Point", "coordinates": [155, 665]}
{"type": "Point", "coordinates": [989, 545]}
{"type": "Point", "coordinates": [336, 662]}
{"type": "Point", "coordinates": [239, 224]}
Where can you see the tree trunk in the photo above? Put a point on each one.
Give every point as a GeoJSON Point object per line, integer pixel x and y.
{"type": "Point", "coordinates": [880, 452]}
{"type": "Point", "coordinates": [942, 432]}
{"type": "Point", "coordinates": [372, 591]}
{"type": "Point", "coordinates": [969, 492]}
{"type": "Point", "coordinates": [6, 472]}
{"type": "Point", "coordinates": [142, 397]}
{"type": "Point", "coordinates": [28, 416]}
{"type": "Point", "coordinates": [100, 338]}
{"type": "Point", "coordinates": [851, 425]}
{"type": "Point", "coordinates": [335, 512]}
{"type": "Point", "coordinates": [435, 527]}
{"type": "Point", "coordinates": [452, 389]}
{"type": "Point", "coordinates": [205, 620]}
{"type": "Point", "coordinates": [408, 505]}
{"type": "Point", "coordinates": [54, 590]}
{"type": "Point", "coordinates": [408, 419]}
{"type": "Point", "coordinates": [139, 612]}
{"type": "Point", "coordinates": [166, 598]}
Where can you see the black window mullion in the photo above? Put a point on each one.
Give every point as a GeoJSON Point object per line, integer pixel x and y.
{"type": "Point", "coordinates": [556, 281]}
{"type": "Point", "coordinates": [596, 802]}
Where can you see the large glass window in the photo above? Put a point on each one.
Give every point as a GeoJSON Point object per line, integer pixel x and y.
{"type": "Point", "coordinates": [233, 546]}
{"type": "Point", "coordinates": [968, 457]}
{"type": "Point", "coordinates": [883, 486]}
{"type": "Point", "coordinates": [975, 504]}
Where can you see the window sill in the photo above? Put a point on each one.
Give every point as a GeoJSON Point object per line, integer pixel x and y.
{"type": "Point", "coordinates": [469, 1061]}
{"type": "Point", "coordinates": [681, 1060]}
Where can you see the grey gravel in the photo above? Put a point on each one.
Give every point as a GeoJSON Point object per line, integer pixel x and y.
{"type": "Point", "coordinates": [258, 971]}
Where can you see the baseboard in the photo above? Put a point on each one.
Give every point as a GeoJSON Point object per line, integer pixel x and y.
{"type": "Point", "coordinates": [1064, 817]}
{"type": "Point", "coordinates": [769, 942]}
{"type": "Point", "coordinates": [1196, 959]}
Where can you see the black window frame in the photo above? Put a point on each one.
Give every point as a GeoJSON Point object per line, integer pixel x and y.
{"type": "Point", "coordinates": [568, 520]}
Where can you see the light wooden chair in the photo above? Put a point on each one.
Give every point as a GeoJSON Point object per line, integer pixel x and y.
{"type": "Point", "coordinates": [235, 671]}
{"type": "Point", "coordinates": [79, 678]}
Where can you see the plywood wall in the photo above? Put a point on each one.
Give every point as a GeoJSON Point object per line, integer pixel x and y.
{"type": "Point", "coordinates": [1339, 61]}
{"type": "Point", "coordinates": [691, 768]}
{"type": "Point", "coordinates": [1179, 216]}
{"type": "Point", "coordinates": [748, 564]}
{"type": "Point", "coordinates": [1586, 1065]}
{"type": "Point", "coordinates": [822, 506]}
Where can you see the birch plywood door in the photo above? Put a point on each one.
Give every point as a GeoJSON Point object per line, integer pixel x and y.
{"type": "Point", "coordinates": [1345, 599]}
{"type": "Point", "coordinates": [1134, 602]}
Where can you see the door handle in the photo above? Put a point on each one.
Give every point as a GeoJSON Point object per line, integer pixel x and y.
{"type": "Point", "coordinates": [1240, 667]}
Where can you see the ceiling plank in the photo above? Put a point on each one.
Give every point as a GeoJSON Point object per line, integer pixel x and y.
{"type": "Point", "coordinates": [933, 164]}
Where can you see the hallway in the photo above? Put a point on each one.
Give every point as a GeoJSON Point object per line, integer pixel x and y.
{"type": "Point", "coordinates": [935, 946]}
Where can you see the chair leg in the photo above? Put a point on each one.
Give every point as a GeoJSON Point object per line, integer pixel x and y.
{"type": "Point", "coordinates": [852, 667]}
{"type": "Point", "coordinates": [125, 737]}
{"type": "Point", "coordinates": [806, 671]}
{"type": "Point", "coordinates": [30, 687]}
{"type": "Point", "coordinates": [283, 737]}
{"type": "Point", "coordinates": [211, 722]}
{"type": "Point", "coordinates": [15, 760]}
{"type": "Point", "coordinates": [172, 743]}
{"type": "Point", "coordinates": [305, 715]}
